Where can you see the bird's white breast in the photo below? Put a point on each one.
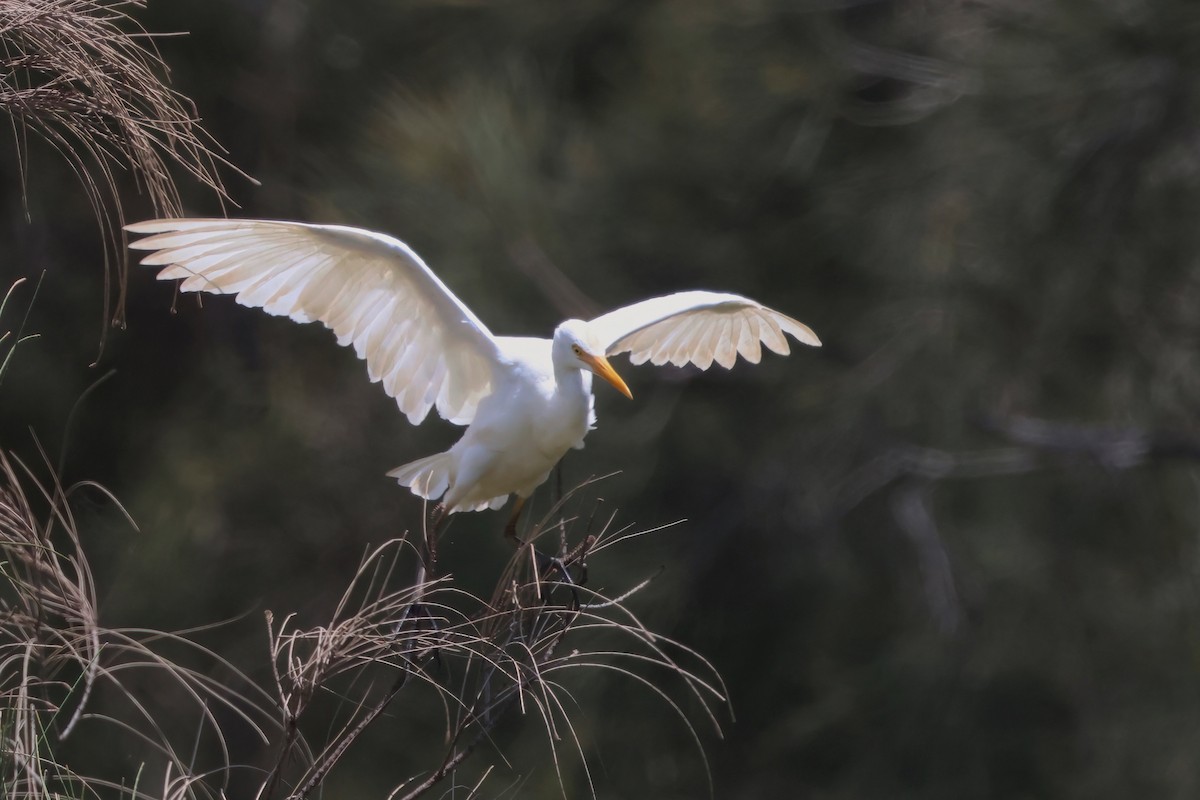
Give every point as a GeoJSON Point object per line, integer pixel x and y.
{"type": "Point", "coordinates": [556, 407]}
{"type": "Point", "coordinates": [521, 430]}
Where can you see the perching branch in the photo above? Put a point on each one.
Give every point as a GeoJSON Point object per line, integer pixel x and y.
{"type": "Point", "coordinates": [492, 657]}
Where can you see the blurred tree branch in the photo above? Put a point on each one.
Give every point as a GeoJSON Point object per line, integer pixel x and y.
{"type": "Point", "coordinates": [1042, 445]}
{"type": "Point", "coordinates": [910, 472]}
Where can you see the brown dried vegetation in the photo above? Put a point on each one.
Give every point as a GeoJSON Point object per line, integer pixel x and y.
{"type": "Point", "coordinates": [83, 76]}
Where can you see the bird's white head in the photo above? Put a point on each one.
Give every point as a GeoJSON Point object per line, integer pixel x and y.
{"type": "Point", "coordinates": [576, 348]}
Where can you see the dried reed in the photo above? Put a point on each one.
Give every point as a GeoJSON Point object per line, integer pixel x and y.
{"type": "Point", "coordinates": [83, 76]}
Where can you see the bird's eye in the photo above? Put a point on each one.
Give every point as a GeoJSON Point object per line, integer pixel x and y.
{"type": "Point", "coordinates": [575, 347]}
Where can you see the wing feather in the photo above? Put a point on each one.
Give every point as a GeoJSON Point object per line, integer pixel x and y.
{"type": "Point", "coordinates": [673, 345]}
{"type": "Point", "coordinates": [751, 345]}
{"type": "Point", "coordinates": [773, 336]}
{"type": "Point", "coordinates": [681, 342]}
{"type": "Point", "coordinates": [697, 328]}
{"type": "Point", "coordinates": [719, 340]}
{"type": "Point", "coordinates": [371, 290]}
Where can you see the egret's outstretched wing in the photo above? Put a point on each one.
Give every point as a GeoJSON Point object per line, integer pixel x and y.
{"type": "Point", "coordinates": [697, 328]}
{"type": "Point", "coordinates": [426, 347]}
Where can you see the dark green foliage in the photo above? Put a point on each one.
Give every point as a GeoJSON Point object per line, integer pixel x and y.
{"type": "Point", "coordinates": [950, 554]}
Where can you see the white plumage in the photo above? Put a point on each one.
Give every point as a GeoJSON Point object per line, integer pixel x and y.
{"type": "Point", "coordinates": [526, 401]}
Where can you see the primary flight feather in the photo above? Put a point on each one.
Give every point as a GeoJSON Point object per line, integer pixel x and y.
{"type": "Point", "coordinates": [525, 401]}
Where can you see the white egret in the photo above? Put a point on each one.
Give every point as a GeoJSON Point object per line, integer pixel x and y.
{"type": "Point", "coordinates": [525, 401]}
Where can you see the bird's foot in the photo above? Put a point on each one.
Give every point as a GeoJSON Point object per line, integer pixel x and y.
{"type": "Point", "coordinates": [547, 565]}
{"type": "Point", "coordinates": [416, 620]}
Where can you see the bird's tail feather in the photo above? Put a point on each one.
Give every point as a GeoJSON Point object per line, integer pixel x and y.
{"type": "Point", "coordinates": [427, 477]}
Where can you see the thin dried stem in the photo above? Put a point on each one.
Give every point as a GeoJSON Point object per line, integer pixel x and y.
{"type": "Point", "coordinates": [55, 655]}
{"type": "Point", "coordinates": [494, 657]}
{"type": "Point", "coordinates": [83, 76]}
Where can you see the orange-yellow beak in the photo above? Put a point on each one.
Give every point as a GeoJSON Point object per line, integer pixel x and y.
{"type": "Point", "coordinates": [600, 366]}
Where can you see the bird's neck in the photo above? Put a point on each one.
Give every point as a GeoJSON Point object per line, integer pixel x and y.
{"type": "Point", "coordinates": [572, 382]}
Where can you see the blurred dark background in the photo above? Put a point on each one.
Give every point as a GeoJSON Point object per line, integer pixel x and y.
{"type": "Point", "coordinates": [953, 553]}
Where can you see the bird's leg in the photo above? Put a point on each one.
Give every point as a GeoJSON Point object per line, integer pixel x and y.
{"type": "Point", "coordinates": [417, 618]}
{"type": "Point", "coordinates": [433, 529]}
{"type": "Point", "coordinates": [510, 530]}
{"type": "Point", "coordinates": [544, 563]}
{"type": "Point", "coordinates": [416, 615]}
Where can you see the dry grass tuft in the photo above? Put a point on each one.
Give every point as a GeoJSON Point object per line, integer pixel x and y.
{"type": "Point", "coordinates": [55, 657]}
{"type": "Point", "coordinates": [395, 631]}
{"type": "Point", "coordinates": [82, 75]}
{"type": "Point", "coordinates": [514, 653]}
